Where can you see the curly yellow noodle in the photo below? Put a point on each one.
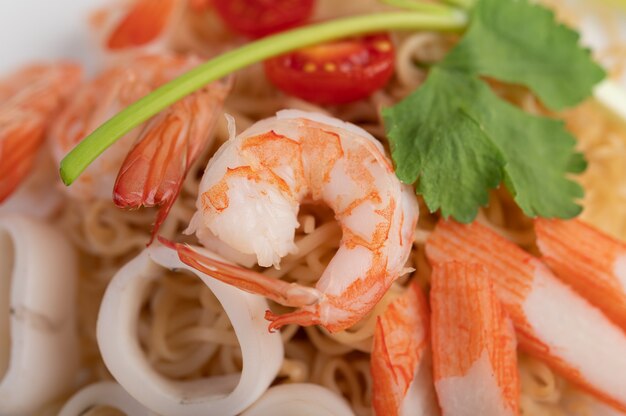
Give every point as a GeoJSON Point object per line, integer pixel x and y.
{"type": "Point", "coordinates": [183, 329]}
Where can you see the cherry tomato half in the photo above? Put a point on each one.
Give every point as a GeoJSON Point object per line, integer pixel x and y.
{"type": "Point", "coordinates": [336, 72]}
{"type": "Point", "coordinates": [258, 18]}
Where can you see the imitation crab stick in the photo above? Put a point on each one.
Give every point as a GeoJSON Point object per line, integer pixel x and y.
{"type": "Point", "coordinates": [593, 263]}
{"type": "Point", "coordinates": [552, 322]}
{"type": "Point", "coordinates": [400, 363]}
{"type": "Point", "coordinates": [474, 356]}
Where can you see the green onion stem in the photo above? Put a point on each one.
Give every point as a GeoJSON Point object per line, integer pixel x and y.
{"type": "Point", "coordinates": [463, 4]}
{"type": "Point", "coordinates": [104, 136]}
{"type": "Point", "coordinates": [419, 6]}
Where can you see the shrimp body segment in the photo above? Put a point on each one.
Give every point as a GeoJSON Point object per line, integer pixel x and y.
{"type": "Point", "coordinates": [154, 169]}
{"type": "Point", "coordinates": [29, 100]}
{"type": "Point", "coordinates": [172, 130]}
{"type": "Point", "coordinates": [94, 103]}
{"type": "Point", "coordinates": [251, 192]}
{"type": "Point", "coordinates": [401, 358]}
{"type": "Point", "coordinates": [552, 322]}
{"type": "Point", "coordinates": [474, 356]}
{"type": "Point", "coordinates": [590, 261]}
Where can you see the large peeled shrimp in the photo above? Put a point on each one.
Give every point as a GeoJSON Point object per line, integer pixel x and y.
{"type": "Point", "coordinates": [249, 199]}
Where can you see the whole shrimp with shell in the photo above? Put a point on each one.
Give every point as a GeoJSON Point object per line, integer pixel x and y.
{"type": "Point", "coordinates": [153, 158]}
{"type": "Point", "coordinates": [146, 167]}
{"type": "Point", "coordinates": [250, 196]}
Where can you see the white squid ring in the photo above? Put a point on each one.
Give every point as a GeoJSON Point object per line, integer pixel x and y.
{"type": "Point", "coordinates": [105, 393]}
{"type": "Point", "coordinates": [38, 342]}
{"type": "Point", "coordinates": [262, 352]}
{"type": "Point", "coordinates": [299, 399]}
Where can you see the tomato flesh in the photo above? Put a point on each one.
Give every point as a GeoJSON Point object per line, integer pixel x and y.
{"type": "Point", "coordinates": [337, 72]}
{"type": "Point", "coordinates": [258, 18]}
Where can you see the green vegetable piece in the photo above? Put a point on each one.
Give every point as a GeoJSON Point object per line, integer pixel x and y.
{"type": "Point", "coordinates": [444, 19]}
{"type": "Point", "coordinates": [519, 42]}
{"type": "Point", "coordinates": [458, 139]}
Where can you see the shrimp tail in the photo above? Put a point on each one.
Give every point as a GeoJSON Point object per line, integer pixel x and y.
{"type": "Point", "coordinates": [154, 170]}
{"type": "Point", "coordinates": [287, 294]}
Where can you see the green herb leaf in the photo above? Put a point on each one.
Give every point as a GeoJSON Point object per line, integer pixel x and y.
{"type": "Point", "coordinates": [519, 42]}
{"type": "Point", "coordinates": [458, 139]}
{"type": "Point", "coordinates": [435, 137]}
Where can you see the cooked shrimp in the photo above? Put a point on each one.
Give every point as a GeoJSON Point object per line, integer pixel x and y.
{"type": "Point", "coordinates": [401, 363]}
{"type": "Point", "coordinates": [181, 127]}
{"type": "Point", "coordinates": [152, 173]}
{"type": "Point", "coordinates": [29, 99]}
{"type": "Point", "coordinates": [474, 356]}
{"type": "Point", "coordinates": [552, 322]}
{"type": "Point", "coordinates": [94, 103]}
{"type": "Point", "coordinates": [593, 263]}
{"type": "Point", "coordinates": [249, 199]}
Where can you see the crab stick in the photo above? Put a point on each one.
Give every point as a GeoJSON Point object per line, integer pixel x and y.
{"type": "Point", "coordinates": [401, 363]}
{"type": "Point", "coordinates": [474, 356]}
{"type": "Point", "coordinates": [593, 263]}
{"type": "Point", "coordinates": [552, 322]}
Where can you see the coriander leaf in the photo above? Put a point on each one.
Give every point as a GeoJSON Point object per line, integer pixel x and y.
{"type": "Point", "coordinates": [434, 138]}
{"type": "Point", "coordinates": [539, 155]}
{"type": "Point", "coordinates": [458, 139]}
{"type": "Point", "coordinates": [519, 42]}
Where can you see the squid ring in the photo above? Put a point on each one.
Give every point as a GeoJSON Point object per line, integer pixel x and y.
{"type": "Point", "coordinates": [105, 393]}
{"type": "Point", "coordinates": [262, 352]}
{"type": "Point", "coordinates": [38, 342]}
{"type": "Point", "coordinates": [299, 398]}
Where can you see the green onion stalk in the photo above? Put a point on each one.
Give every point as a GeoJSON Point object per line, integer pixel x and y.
{"type": "Point", "coordinates": [418, 17]}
